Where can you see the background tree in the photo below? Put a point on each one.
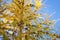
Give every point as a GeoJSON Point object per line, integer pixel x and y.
{"type": "Point", "coordinates": [19, 21]}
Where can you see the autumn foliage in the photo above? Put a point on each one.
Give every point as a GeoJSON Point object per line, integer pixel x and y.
{"type": "Point", "coordinates": [20, 21]}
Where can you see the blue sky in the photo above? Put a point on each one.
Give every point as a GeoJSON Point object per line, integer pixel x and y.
{"type": "Point", "coordinates": [51, 6]}
{"type": "Point", "coordinates": [54, 6]}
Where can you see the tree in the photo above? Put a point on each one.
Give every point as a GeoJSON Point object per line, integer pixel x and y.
{"type": "Point", "coordinates": [22, 22]}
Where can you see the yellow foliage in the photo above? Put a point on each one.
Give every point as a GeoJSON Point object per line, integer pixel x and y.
{"type": "Point", "coordinates": [37, 4]}
{"type": "Point", "coordinates": [24, 18]}
{"type": "Point", "coordinates": [5, 20]}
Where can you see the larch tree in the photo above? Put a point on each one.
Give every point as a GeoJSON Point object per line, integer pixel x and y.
{"type": "Point", "coordinates": [19, 20]}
